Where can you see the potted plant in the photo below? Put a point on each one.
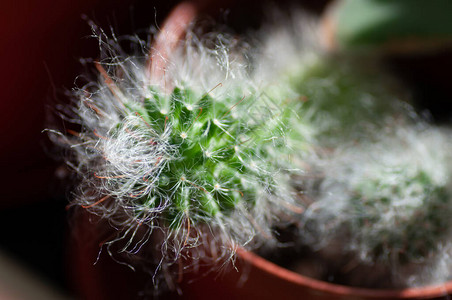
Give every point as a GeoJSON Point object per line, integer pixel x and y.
{"type": "Point", "coordinates": [193, 157]}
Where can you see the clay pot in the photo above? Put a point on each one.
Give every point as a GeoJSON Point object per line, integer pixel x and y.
{"type": "Point", "coordinates": [251, 277]}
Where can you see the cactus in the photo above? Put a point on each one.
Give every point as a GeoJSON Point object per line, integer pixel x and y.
{"type": "Point", "coordinates": [197, 154]}
{"type": "Point", "coordinates": [387, 201]}
{"type": "Point", "coordinates": [389, 208]}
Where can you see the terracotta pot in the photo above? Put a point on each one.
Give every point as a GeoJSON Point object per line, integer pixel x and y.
{"type": "Point", "coordinates": [251, 277]}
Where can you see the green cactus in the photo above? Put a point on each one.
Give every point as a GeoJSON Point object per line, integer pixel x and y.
{"type": "Point", "coordinates": [215, 153]}
{"type": "Point", "coordinates": [206, 151]}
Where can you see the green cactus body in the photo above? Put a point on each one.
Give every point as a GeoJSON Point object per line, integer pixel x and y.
{"type": "Point", "coordinates": [209, 155]}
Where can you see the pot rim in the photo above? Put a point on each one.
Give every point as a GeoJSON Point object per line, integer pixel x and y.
{"type": "Point", "coordinates": [275, 270]}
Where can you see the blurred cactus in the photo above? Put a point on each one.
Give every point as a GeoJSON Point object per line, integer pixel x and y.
{"type": "Point", "coordinates": [386, 201]}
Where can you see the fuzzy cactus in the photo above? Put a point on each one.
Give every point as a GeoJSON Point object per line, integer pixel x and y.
{"type": "Point", "coordinates": [207, 155]}
{"type": "Point", "coordinates": [389, 209]}
{"type": "Point", "coordinates": [387, 201]}
{"type": "Point", "coordinates": [195, 156]}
